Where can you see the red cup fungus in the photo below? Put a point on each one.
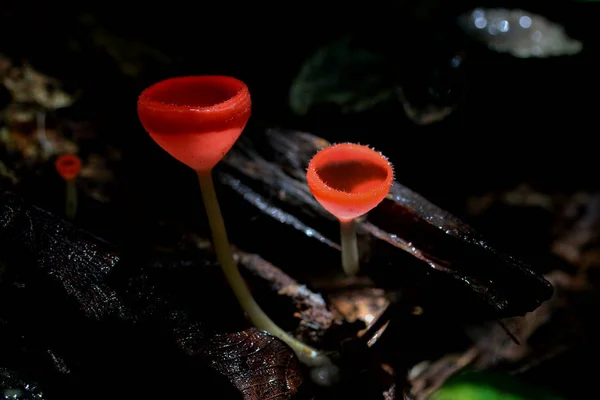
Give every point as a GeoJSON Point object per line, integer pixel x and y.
{"type": "Point", "coordinates": [197, 119]}
{"type": "Point", "coordinates": [349, 180]}
{"type": "Point", "coordinates": [68, 167]}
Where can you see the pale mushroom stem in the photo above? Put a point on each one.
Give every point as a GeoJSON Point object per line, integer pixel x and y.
{"type": "Point", "coordinates": [237, 283]}
{"type": "Point", "coordinates": [71, 199]}
{"type": "Point", "coordinates": [350, 260]}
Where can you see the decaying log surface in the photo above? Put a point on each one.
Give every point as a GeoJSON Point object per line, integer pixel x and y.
{"type": "Point", "coordinates": [106, 324]}
{"type": "Point", "coordinates": [79, 262]}
{"type": "Point", "coordinates": [312, 316]}
{"type": "Point", "coordinates": [315, 318]}
{"type": "Point", "coordinates": [405, 220]}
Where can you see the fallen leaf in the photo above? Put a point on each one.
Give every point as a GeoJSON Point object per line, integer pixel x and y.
{"type": "Point", "coordinates": [258, 365]}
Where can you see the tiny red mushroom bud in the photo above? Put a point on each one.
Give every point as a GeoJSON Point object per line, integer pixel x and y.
{"type": "Point", "coordinates": [68, 167]}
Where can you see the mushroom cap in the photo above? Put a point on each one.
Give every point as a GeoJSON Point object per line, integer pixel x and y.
{"type": "Point", "coordinates": [349, 180]}
{"type": "Point", "coordinates": [196, 119]}
{"type": "Point", "coordinates": [68, 166]}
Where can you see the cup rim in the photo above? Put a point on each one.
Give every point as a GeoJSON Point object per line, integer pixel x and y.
{"type": "Point", "coordinates": [323, 191]}
{"type": "Point", "coordinates": [148, 99]}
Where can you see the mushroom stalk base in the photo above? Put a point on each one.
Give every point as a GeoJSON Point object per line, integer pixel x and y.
{"type": "Point", "coordinates": [350, 260]}
{"type": "Point", "coordinates": [225, 258]}
{"type": "Point", "coordinates": [71, 199]}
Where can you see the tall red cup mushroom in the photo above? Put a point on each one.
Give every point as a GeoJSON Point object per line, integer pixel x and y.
{"type": "Point", "coordinates": [349, 180]}
{"type": "Point", "coordinates": [68, 167]}
{"type": "Point", "coordinates": [197, 119]}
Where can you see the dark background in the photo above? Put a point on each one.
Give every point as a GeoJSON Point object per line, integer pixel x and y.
{"type": "Point", "coordinates": [524, 117]}
{"type": "Point", "coordinates": [521, 119]}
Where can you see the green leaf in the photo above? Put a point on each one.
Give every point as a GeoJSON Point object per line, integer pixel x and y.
{"type": "Point", "coordinates": [490, 386]}
{"type": "Point", "coordinates": [351, 78]}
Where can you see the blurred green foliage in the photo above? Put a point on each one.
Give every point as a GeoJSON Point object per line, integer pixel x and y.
{"type": "Point", "coordinates": [490, 386]}
{"type": "Point", "coordinates": [342, 74]}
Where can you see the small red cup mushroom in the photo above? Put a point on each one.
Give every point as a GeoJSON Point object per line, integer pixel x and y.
{"type": "Point", "coordinates": [68, 167]}
{"type": "Point", "coordinates": [197, 119]}
{"type": "Point", "coordinates": [349, 180]}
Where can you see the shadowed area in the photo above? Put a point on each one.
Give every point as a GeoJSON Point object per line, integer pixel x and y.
{"type": "Point", "coordinates": [123, 327]}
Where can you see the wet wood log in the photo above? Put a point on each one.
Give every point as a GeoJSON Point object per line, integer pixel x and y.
{"type": "Point", "coordinates": [312, 312]}
{"type": "Point", "coordinates": [93, 323]}
{"type": "Point", "coordinates": [268, 172]}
